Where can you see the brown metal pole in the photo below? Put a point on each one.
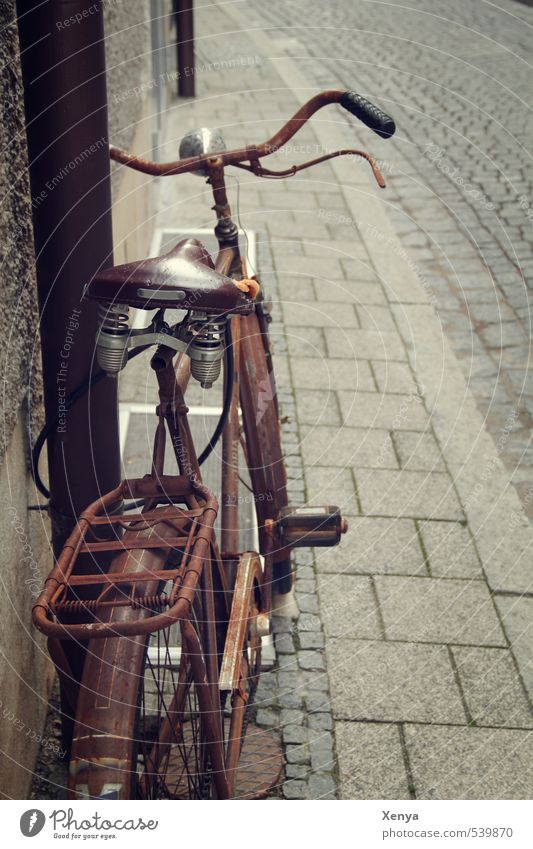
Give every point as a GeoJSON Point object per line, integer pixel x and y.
{"type": "Point", "coordinates": [63, 66]}
{"type": "Point", "coordinates": [184, 11]}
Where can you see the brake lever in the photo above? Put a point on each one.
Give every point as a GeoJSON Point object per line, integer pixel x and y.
{"type": "Point", "coordinates": [256, 168]}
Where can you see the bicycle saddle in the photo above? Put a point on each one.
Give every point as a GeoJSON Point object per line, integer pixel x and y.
{"type": "Point", "coordinates": [184, 278]}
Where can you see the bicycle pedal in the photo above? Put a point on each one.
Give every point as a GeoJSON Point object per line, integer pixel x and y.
{"type": "Point", "coordinates": [311, 526]}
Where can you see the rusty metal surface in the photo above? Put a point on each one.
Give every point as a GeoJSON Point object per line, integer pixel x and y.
{"type": "Point", "coordinates": [241, 619]}
{"type": "Point", "coordinates": [261, 427]}
{"type": "Point", "coordinates": [193, 542]}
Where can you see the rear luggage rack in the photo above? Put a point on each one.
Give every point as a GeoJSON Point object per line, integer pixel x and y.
{"type": "Point", "coordinates": [161, 553]}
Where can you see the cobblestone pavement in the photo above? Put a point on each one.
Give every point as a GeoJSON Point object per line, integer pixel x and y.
{"type": "Point", "coordinates": [458, 80]}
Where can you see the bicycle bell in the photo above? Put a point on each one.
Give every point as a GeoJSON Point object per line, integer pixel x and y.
{"type": "Point", "coordinates": [200, 142]}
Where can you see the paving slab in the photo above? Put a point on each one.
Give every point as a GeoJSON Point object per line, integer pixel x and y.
{"type": "Point", "coordinates": [348, 607]}
{"type": "Point", "coordinates": [377, 410]}
{"type": "Point", "coordinates": [433, 610]}
{"type": "Point", "coordinates": [320, 314]}
{"type": "Point", "coordinates": [332, 486]}
{"type": "Point", "coordinates": [493, 691]}
{"type": "Point", "coordinates": [420, 495]}
{"type": "Point", "coordinates": [450, 550]}
{"type": "Point", "coordinates": [371, 764]}
{"type": "Point", "coordinates": [393, 377]}
{"type": "Point", "coordinates": [470, 763]}
{"type": "Point", "coordinates": [375, 546]}
{"type": "Point", "coordinates": [316, 407]}
{"type": "Point", "coordinates": [394, 682]}
{"type": "Point", "coordinates": [321, 373]}
{"type": "Point", "coordinates": [369, 344]}
{"type": "Point", "coordinates": [517, 618]}
{"type": "Point", "coordinates": [357, 291]}
{"type": "Point", "coordinates": [349, 446]}
{"type": "Point", "coordinates": [418, 452]}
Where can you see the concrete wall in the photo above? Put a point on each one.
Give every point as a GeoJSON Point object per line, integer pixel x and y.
{"type": "Point", "coordinates": [25, 670]}
{"type": "Point", "coordinates": [132, 119]}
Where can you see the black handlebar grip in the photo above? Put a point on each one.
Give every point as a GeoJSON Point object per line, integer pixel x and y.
{"type": "Point", "coordinates": [371, 115]}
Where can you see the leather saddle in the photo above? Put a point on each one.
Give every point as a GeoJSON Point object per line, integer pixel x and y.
{"type": "Point", "coordinates": [184, 278]}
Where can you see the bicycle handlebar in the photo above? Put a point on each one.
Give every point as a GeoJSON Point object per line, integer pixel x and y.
{"type": "Point", "coordinates": [378, 121]}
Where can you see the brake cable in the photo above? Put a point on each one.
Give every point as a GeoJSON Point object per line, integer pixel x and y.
{"type": "Point", "coordinates": [256, 168]}
{"type": "Point", "coordinates": [98, 376]}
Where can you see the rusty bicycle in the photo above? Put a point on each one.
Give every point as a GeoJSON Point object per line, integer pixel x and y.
{"type": "Point", "coordinates": [168, 619]}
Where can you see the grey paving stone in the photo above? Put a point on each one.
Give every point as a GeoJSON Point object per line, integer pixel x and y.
{"type": "Point", "coordinates": [417, 494]}
{"type": "Point", "coordinates": [323, 268]}
{"type": "Point", "coordinates": [320, 721]}
{"type": "Point", "coordinates": [289, 290]}
{"type": "Point", "coordinates": [368, 344]}
{"type": "Point", "coordinates": [284, 644]}
{"type": "Point", "coordinates": [332, 486]}
{"type": "Point", "coordinates": [312, 660]}
{"type": "Point", "coordinates": [294, 734]}
{"type": "Point", "coordinates": [316, 406]}
{"type": "Point", "coordinates": [316, 681]}
{"type": "Point", "coordinates": [375, 546]}
{"type": "Point", "coordinates": [348, 446]}
{"type": "Point", "coordinates": [348, 606]}
{"type": "Point", "coordinates": [311, 640]}
{"type": "Point", "coordinates": [356, 292]}
{"type": "Point", "coordinates": [470, 763]}
{"type": "Point", "coordinates": [392, 682]}
{"type": "Point", "coordinates": [317, 701]}
{"type": "Point", "coordinates": [370, 761]}
{"type": "Point", "coordinates": [296, 771]}
{"type": "Point", "coordinates": [309, 344]}
{"type": "Point", "coordinates": [491, 686]}
{"type": "Point", "coordinates": [450, 550]}
{"type": "Point", "coordinates": [418, 451]}
{"type": "Point", "coordinates": [308, 622]}
{"type": "Point", "coordinates": [517, 617]}
{"type": "Point", "coordinates": [305, 586]}
{"type": "Point", "coordinates": [327, 373]}
{"type": "Point", "coordinates": [307, 603]}
{"type": "Point", "coordinates": [393, 377]}
{"type": "Point", "coordinates": [375, 317]}
{"type": "Point", "coordinates": [288, 717]}
{"type": "Point", "coordinates": [321, 786]}
{"type": "Point", "coordinates": [435, 610]}
{"type": "Point", "coordinates": [322, 756]}
{"type": "Point", "coordinates": [297, 754]}
{"type": "Point", "coordinates": [267, 718]}
{"type": "Point", "coordinates": [295, 789]}
{"type": "Point", "coordinates": [376, 410]}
